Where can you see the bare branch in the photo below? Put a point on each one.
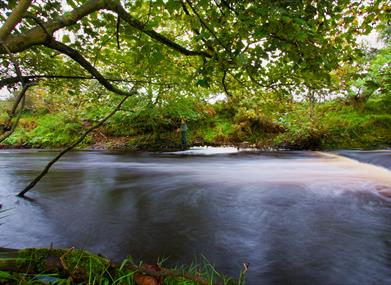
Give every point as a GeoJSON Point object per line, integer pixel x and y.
{"type": "Point", "coordinates": [72, 146]}
{"type": "Point", "coordinates": [8, 130]}
{"type": "Point", "coordinates": [15, 17]}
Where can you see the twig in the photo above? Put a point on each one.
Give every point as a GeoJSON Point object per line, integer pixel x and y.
{"type": "Point", "coordinates": [117, 33]}
{"type": "Point", "coordinates": [8, 129]}
{"type": "Point", "coordinates": [224, 85]}
{"type": "Point", "coordinates": [207, 27]}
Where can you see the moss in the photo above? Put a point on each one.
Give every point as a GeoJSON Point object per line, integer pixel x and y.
{"type": "Point", "coordinates": [77, 262]}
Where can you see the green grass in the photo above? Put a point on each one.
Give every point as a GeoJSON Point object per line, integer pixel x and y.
{"type": "Point", "coordinates": [76, 266]}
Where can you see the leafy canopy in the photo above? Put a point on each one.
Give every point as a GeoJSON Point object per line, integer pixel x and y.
{"type": "Point", "coordinates": [185, 47]}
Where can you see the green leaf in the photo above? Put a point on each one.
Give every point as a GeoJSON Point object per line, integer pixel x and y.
{"type": "Point", "coordinates": [203, 83]}
{"type": "Point", "coordinates": [66, 39]}
{"type": "Point", "coordinates": [301, 36]}
{"type": "Point", "coordinates": [156, 57]}
{"type": "Point", "coordinates": [241, 59]}
{"type": "Point", "coordinates": [173, 5]}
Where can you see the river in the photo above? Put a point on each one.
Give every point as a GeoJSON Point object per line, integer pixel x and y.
{"type": "Point", "coordinates": [296, 217]}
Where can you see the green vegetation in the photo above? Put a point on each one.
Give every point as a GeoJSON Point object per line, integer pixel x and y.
{"type": "Point", "coordinates": [75, 266]}
{"type": "Point", "coordinates": [334, 124]}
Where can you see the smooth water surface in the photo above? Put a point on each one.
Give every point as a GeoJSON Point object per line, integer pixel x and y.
{"type": "Point", "coordinates": [297, 217]}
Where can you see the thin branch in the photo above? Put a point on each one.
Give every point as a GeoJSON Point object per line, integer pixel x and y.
{"type": "Point", "coordinates": [72, 146]}
{"type": "Point", "coordinates": [14, 62]}
{"type": "Point", "coordinates": [117, 33]}
{"type": "Point", "coordinates": [15, 17]}
{"type": "Point", "coordinates": [9, 131]}
{"type": "Point", "coordinates": [218, 6]}
{"type": "Point", "coordinates": [207, 27]}
{"type": "Point", "coordinates": [224, 85]}
{"type": "Point", "coordinates": [197, 32]}
{"type": "Point", "coordinates": [226, 4]}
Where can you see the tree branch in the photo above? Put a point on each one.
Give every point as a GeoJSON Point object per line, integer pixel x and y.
{"type": "Point", "coordinates": [8, 130]}
{"type": "Point", "coordinates": [37, 35]}
{"type": "Point", "coordinates": [15, 17]}
{"type": "Point", "coordinates": [116, 7]}
{"type": "Point", "coordinates": [54, 160]}
{"type": "Point", "coordinates": [78, 57]}
{"type": "Point", "coordinates": [224, 85]}
{"type": "Point", "coordinates": [117, 33]}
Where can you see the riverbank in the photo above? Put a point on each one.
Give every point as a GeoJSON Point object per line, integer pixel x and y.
{"type": "Point", "coordinates": [334, 125]}
{"type": "Point", "coordinates": [76, 266]}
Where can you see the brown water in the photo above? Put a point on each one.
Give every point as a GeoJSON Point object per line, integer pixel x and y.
{"type": "Point", "coordinates": [297, 217]}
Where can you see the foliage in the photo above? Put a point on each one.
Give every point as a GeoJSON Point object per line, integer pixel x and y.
{"type": "Point", "coordinates": [48, 130]}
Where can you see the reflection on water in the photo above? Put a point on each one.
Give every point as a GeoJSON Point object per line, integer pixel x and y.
{"type": "Point", "coordinates": [297, 217]}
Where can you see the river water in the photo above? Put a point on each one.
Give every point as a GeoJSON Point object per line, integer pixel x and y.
{"type": "Point", "coordinates": [296, 217]}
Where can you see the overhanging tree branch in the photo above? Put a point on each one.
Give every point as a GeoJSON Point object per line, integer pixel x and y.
{"type": "Point", "coordinates": [15, 17]}
{"type": "Point", "coordinates": [37, 35]}
{"type": "Point", "coordinates": [72, 146]}
{"type": "Point", "coordinates": [116, 7]}
{"type": "Point", "coordinates": [78, 57]}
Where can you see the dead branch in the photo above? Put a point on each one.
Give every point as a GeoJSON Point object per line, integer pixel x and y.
{"type": "Point", "coordinates": [72, 146]}
{"type": "Point", "coordinates": [8, 129]}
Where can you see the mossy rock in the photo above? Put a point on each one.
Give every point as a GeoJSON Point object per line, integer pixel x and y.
{"type": "Point", "coordinates": [74, 262]}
